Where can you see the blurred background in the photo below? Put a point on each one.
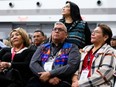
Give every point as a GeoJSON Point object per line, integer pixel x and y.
{"type": "Point", "coordinates": [41, 14]}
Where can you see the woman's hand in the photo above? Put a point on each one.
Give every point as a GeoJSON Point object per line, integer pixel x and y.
{"type": "Point", "coordinates": [1, 69]}
{"type": "Point", "coordinates": [4, 65]}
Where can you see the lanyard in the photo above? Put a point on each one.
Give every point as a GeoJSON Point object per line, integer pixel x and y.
{"type": "Point", "coordinates": [13, 54]}
{"type": "Point", "coordinates": [89, 58]}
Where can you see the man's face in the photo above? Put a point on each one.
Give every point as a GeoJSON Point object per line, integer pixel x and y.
{"type": "Point", "coordinates": [113, 43]}
{"type": "Point", "coordinates": [58, 33]}
{"type": "Point", "coordinates": [38, 38]}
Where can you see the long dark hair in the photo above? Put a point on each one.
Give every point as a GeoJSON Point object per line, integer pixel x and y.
{"type": "Point", "coordinates": [74, 12]}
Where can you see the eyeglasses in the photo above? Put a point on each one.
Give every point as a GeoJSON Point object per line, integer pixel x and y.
{"type": "Point", "coordinates": [96, 32]}
{"type": "Point", "coordinates": [58, 29]}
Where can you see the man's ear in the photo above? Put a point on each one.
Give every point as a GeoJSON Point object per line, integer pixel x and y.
{"type": "Point", "coordinates": [66, 35]}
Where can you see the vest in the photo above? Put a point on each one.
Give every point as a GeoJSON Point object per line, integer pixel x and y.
{"type": "Point", "coordinates": [76, 33]}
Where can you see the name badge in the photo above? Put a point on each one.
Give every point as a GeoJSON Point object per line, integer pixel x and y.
{"type": "Point", "coordinates": [48, 64]}
{"type": "Point", "coordinates": [84, 74]}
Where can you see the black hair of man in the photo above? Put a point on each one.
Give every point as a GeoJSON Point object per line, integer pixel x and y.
{"type": "Point", "coordinates": [40, 32]}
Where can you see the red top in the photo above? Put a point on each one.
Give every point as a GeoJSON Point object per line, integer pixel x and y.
{"type": "Point", "coordinates": [88, 62]}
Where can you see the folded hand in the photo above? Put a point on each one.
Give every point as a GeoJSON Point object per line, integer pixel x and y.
{"type": "Point", "coordinates": [44, 76]}
{"type": "Point", "coordinates": [54, 80]}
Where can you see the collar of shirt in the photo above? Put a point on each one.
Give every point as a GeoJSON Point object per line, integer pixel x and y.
{"type": "Point", "coordinates": [54, 49]}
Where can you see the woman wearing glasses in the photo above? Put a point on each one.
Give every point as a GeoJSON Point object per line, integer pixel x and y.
{"type": "Point", "coordinates": [97, 61]}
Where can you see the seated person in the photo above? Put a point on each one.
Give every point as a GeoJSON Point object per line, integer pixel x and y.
{"type": "Point", "coordinates": [38, 37]}
{"type": "Point", "coordinates": [17, 57]}
{"type": "Point", "coordinates": [113, 42]}
{"type": "Point", "coordinates": [97, 61]}
{"type": "Point", "coordinates": [54, 63]}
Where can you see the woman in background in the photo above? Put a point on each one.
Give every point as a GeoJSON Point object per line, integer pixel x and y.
{"type": "Point", "coordinates": [18, 57]}
{"type": "Point", "coordinates": [78, 30]}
